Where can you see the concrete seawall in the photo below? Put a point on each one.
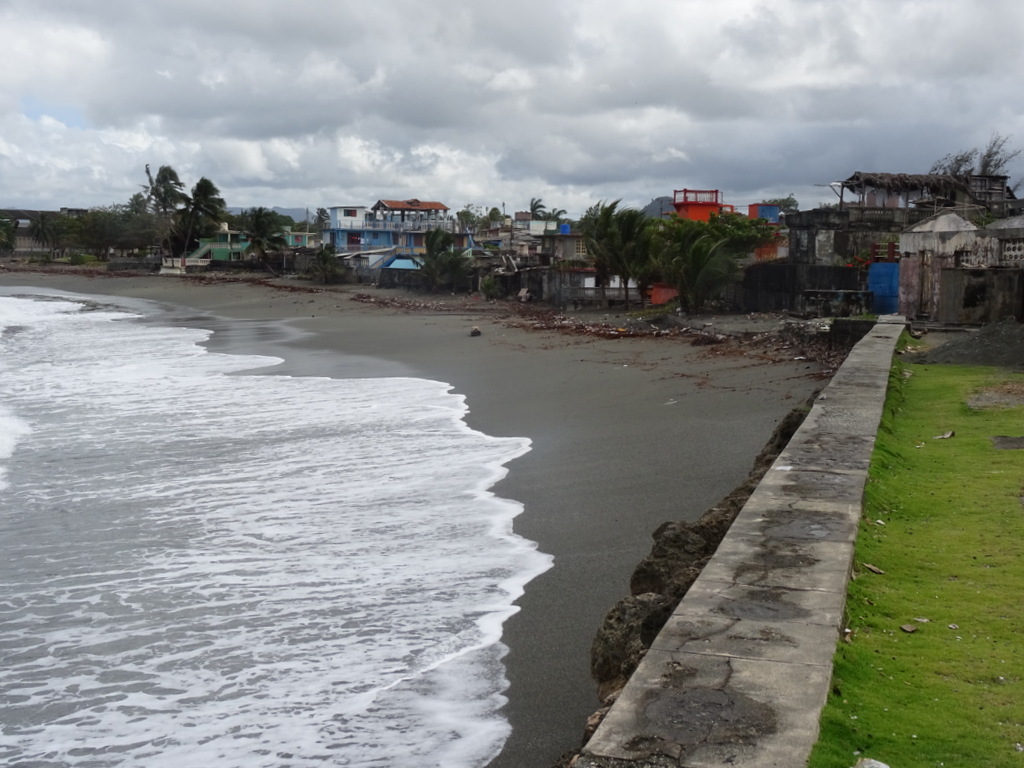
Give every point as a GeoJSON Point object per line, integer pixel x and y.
{"type": "Point", "coordinates": [740, 672]}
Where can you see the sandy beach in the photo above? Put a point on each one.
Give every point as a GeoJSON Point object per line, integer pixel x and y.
{"type": "Point", "coordinates": [626, 434]}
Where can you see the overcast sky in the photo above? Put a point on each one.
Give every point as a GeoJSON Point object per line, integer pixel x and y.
{"type": "Point", "coordinates": [312, 103]}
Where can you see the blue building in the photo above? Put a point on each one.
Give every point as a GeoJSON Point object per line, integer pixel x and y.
{"type": "Point", "coordinates": [387, 228]}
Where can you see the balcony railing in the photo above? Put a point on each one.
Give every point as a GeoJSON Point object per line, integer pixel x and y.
{"type": "Point", "coordinates": [398, 226]}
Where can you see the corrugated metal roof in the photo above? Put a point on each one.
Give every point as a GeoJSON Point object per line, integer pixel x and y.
{"type": "Point", "coordinates": [410, 205]}
{"type": "Point", "coordinates": [403, 263]}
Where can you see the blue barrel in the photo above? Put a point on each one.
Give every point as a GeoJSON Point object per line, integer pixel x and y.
{"type": "Point", "coordinates": [563, 229]}
{"type": "Point", "coordinates": [884, 283]}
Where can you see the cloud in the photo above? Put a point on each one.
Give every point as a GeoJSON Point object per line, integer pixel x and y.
{"type": "Point", "coordinates": [314, 103]}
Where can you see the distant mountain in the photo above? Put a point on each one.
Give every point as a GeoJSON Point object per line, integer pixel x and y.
{"type": "Point", "coordinates": [658, 207]}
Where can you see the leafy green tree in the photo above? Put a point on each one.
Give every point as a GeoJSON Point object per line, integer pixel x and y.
{"type": "Point", "coordinates": [494, 214]}
{"type": "Point", "coordinates": [138, 230]}
{"type": "Point", "coordinates": [469, 217]}
{"type": "Point", "coordinates": [100, 229]}
{"type": "Point", "coordinates": [537, 208]}
{"type": "Point", "coordinates": [786, 204]}
{"type": "Point", "coordinates": [490, 288]}
{"type": "Point", "coordinates": [743, 232]}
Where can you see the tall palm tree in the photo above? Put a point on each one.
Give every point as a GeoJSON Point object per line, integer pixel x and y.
{"type": "Point", "coordinates": [621, 245]}
{"type": "Point", "coordinates": [323, 218]}
{"type": "Point", "coordinates": [8, 227]}
{"type": "Point", "coordinates": [537, 208]}
{"type": "Point", "coordinates": [596, 226]}
{"type": "Point", "coordinates": [436, 265]}
{"type": "Point", "coordinates": [263, 229]}
{"type": "Point", "coordinates": [556, 215]}
{"type": "Point", "coordinates": [164, 193]}
{"type": "Point", "coordinates": [202, 207]}
{"type": "Point", "coordinates": [45, 229]}
{"type": "Point", "coordinates": [137, 204]}
{"type": "Point", "coordinates": [632, 238]}
{"type": "Point", "coordinates": [324, 265]}
{"type": "Point", "coordinates": [697, 260]}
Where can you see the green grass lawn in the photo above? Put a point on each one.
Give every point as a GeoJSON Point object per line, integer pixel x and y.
{"type": "Point", "coordinates": [944, 520]}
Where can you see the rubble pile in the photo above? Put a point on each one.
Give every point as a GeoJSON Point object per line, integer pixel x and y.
{"type": "Point", "coordinates": [456, 305]}
{"type": "Point", "coordinates": [997, 344]}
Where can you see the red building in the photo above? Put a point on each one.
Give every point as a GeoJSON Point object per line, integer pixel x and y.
{"type": "Point", "coordinates": [699, 204]}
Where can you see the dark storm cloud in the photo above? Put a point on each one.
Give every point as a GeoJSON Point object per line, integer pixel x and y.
{"type": "Point", "coordinates": [312, 103]}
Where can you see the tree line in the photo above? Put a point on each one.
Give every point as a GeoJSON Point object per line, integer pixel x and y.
{"type": "Point", "coordinates": [165, 214]}
{"type": "Point", "coordinates": [697, 258]}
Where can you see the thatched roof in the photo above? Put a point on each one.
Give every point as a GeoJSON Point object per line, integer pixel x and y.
{"type": "Point", "coordinates": [937, 184]}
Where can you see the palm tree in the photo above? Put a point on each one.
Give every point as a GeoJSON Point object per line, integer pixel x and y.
{"type": "Point", "coordinates": [619, 241]}
{"type": "Point", "coordinates": [204, 206]}
{"type": "Point", "coordinates": [137, 204]}
{"type": "Point", "coordinates": [8, 227]}
{"type": "Point", "coordinates": [262, 227]}
{"type": "Point", "coordinates": [323, 218]}
{"type": "Point", "coordinates": [633, 245]}
{"type": "Point", "coordinates": [324, 265]}
{"type": "Point", "coordinates": [165, 191]}
{"type": "Point", "coordinates": [596, 226]}
{"type": "Point", "coordinates": [436, 264]}
{"type": "Point", "coordinates": [697, 260]}
{"type": "Point", "coordinates": [556, 215]}
{"type": "Point", "coordinates": [45, 229]}
{"type": "Point", "coordinates": [457, 269]}
{"type": "Point", "coordinates": [537, 208]}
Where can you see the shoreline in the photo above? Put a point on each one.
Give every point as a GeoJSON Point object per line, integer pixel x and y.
{"type": "Point", "coordinates": [626, 434]}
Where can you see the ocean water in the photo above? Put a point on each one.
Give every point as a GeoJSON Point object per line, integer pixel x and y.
{"type": "Point", "coordinates": [204, 568]}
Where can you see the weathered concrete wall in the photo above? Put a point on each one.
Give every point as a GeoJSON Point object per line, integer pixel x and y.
{"type": "Point", "coordinates": [979, 296]}
{"type": "Point", "coordinates": [740, 672]}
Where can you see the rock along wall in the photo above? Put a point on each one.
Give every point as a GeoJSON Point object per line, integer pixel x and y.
{"type": "Point", "coordinates": [740, 671]}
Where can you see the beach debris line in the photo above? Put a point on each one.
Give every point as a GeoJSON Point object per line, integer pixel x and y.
{"type": "Point", "coordinates": [786, 341]}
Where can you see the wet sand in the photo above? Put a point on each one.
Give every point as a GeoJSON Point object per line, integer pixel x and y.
{"type": "Point", "coordinates": [626, 434]}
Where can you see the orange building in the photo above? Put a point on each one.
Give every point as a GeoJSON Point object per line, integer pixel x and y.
{"type": "Point", "coordinates": [699, 204]}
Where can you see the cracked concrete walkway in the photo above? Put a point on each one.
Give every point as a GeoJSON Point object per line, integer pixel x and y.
{"type": "Point", "coordinates": [740, 672]}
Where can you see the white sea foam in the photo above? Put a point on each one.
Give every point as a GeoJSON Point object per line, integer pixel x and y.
{"type": "Point", "coordinates": [205, 569]}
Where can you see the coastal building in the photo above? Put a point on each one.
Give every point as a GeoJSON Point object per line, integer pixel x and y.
{"type": "Point", "coordinates": [371, 238]}
{"type": "Point", "coordinates": [228, 246]}
{"type": "Point", "coordinates": [954, 271]}
{"type": "Point", "coordinates": [23, 242]}
{"type": "Point", "coordinates": [699, 204]}
{"type": "Point", "coordinates": [874, 208]}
